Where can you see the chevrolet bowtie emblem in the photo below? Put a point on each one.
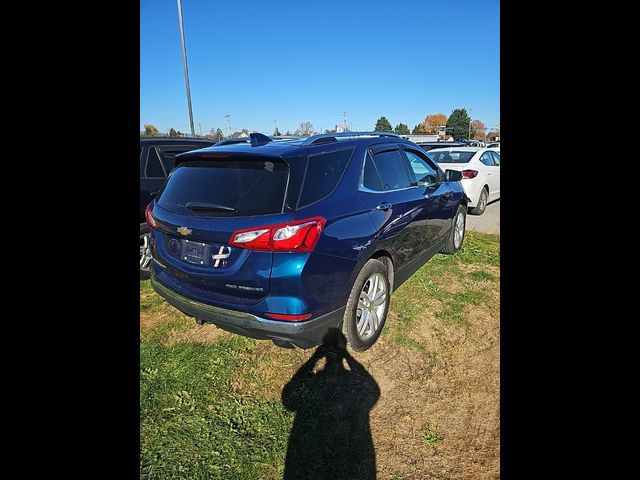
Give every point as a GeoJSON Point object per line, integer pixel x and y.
{"type": "Point", "coordinates": [184, 231]}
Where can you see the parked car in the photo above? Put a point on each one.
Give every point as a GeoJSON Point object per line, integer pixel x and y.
{"type": "Point", "coordinates": [480, 169]}
{"type": "Point", "coordinates": [157, 156]}
{"type": "Point", "coordinates": [495, 145]}
{"type": "Point", "coordinates": [426, 146]}
{"type": "Point", "coordinates": [287, 240]}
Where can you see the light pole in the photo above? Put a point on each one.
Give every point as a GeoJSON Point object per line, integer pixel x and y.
{"type": "Point", "coordinates": [186, 69]}
{"type": "Point", "coordinates": [229, 123]}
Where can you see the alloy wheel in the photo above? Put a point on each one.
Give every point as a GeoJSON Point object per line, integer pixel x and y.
{"type": "Point", "coordinates": [145, 251]}
{"type": "Point", "coordinates": [371, 306]}
{"type": "Point", "coordinates": [458, 232]}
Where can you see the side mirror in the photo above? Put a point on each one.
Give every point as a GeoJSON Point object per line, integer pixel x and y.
{"type": "Point", "coordinates": [452, 175]}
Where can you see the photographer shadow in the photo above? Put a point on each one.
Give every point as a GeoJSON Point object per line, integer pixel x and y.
{"type": "Point", "coordinates": [331, 436]}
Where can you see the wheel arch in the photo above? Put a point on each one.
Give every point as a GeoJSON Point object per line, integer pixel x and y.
{"type": "Point", "coordinates": [385, 257]}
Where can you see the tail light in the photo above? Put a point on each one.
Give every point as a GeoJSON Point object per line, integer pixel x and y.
{"type": "Point", "coordinates": [469, 173]}
{"type": "Point", "coordinates": [151, 220]}
{"type": "Point", "coordinates": [296, 236]}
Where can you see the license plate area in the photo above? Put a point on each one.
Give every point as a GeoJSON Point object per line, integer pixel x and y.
{"type": "Point", "coordinates": [195, 252]}
{"type": "Point", "coordinates": [211, 255]}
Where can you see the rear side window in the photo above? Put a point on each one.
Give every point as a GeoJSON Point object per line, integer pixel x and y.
{"type": "Point", "coordinates": [391, 169]}
{"type": "Point", "coordinates": [324, 171]}
{"type": "Point", "coordinates": [154, 167]}
{"type": "Point", "coordinates": [486, 159]}
{"type": "Point", "coordinates": [451, 156]}
{"type": "Point", "coordinates": [370, 178]}
{"type": "Point", "coordinates": [231, 187]}
{"type": "Point", "coordinates": [496, 158]}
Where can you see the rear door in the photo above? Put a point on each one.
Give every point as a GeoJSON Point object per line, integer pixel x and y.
{"type": "Point", "coordinates": [396, 203]}
{"type": "Point", "coordinates": [493, 174]}
{"type": "Point", "coordinates": [202, 203]}
{"type": "Point", "coordinates": [496, 173]}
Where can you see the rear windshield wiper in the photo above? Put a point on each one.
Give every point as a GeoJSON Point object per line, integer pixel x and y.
{"type": "Point", "coordinates": [209, 206]}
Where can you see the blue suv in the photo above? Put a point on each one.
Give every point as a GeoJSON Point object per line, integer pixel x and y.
{"type": "Point", "coordinates": [288, 240]}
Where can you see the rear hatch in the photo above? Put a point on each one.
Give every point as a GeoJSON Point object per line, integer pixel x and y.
{"type": "Point", "coordinates": [202, 203]}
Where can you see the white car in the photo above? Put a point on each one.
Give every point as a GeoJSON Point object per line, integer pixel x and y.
{"type": "Point", "coordinates": [480, 169]}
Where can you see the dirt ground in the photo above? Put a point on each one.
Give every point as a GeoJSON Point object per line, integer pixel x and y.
{"type": "Point", "coordinates": [438, 412]}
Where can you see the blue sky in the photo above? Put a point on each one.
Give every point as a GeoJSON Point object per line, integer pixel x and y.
{"type": "Point", "coordinates": [302, 61]}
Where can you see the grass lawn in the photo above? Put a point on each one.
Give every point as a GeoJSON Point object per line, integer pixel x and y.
{"type": "Point", "coordinates": [212, 403]}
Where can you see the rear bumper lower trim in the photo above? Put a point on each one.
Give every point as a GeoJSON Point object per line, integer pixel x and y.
{"type": "Point", "coordinates": [303, 334]}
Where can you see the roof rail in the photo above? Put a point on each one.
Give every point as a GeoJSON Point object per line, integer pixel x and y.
{"type": "Point", "coordinates": [333, 137]}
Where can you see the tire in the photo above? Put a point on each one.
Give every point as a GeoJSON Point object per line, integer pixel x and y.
{"type": "Point", "coordinates": [482, 203]}
{"type": "Point", "coordinates": [454, 243]}
{"type": "Point", "coordinates": [145, 231]}
{"type": "Point", "coordinates": [372, 271]}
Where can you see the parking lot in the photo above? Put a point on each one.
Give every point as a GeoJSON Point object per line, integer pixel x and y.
{"type": "Point", "coordinates": [488, 222]}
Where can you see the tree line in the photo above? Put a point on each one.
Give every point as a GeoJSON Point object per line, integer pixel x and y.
{"type": "Point", "coordinates": [457, 125]}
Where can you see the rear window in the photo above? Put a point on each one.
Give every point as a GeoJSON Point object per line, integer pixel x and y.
{"type": "Point", "coordinates": [222, 188]}
{"type": "Point", "coordinates": [324, 171]}
{"type": "Point", "coordinates": [451, 156]}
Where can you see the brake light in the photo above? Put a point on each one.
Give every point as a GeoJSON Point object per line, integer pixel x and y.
{"type": "Point", "coordinates": [151, 220]}
{"type": "Point", "coordinates": [469, 173]}
{"type": "Point", "coordinates": [290, 318]}
{"type": "Point", "coordinates": [298, 236]}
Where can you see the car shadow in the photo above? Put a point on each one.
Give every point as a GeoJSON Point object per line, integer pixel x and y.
{"type": "Point", "coordinates": [331, 436]}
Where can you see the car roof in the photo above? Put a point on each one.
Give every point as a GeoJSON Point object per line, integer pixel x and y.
{"type": "Point", "coordinates": [460, 149]}
{"type": "Point", "coordinates": [297, 146]}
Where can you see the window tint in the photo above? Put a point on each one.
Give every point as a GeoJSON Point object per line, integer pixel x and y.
{"type": "Point", "coordinates": [486, 159]}
{"type": "Point", "coordinates": [391, 169]}
{"type": "Point", "coordinates": [425, 173]}
{"type": "Point", "coordinates": [323, 173]}
{"type": "Point", "coordinates": [168, 154]}
{"type": "Point", "coordinates": [496, 158]}
{"type": "Point", "coordinates": [371, 179]}
{"type": "Point", "coordinates": [154, 168]}
{"type": "Point", "coordinates": [250, 186]}
{"type": "Point", "coordinates": [451, 156]}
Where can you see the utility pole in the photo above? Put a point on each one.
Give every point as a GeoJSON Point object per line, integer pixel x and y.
{"type": "Point", "coordinates": [200, 127]}
{"type": "Point", "coordinates": [229, 123]}
{"type": "Point", "coordinates": [275, 124]}
{"type": "Point", "coordinates": [344, 118]}
{"type": "Point", "coordinates": [186, 68]}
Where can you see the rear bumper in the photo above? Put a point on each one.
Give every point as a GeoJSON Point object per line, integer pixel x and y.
{"type": "Point", "coordinates": [301, 334]}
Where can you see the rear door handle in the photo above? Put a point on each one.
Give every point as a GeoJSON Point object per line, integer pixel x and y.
{"type": "Point", "coordinates": [384, 206]}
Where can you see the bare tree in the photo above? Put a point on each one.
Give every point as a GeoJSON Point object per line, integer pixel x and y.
{"type": "Point", "coordinates": [305, 129]}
